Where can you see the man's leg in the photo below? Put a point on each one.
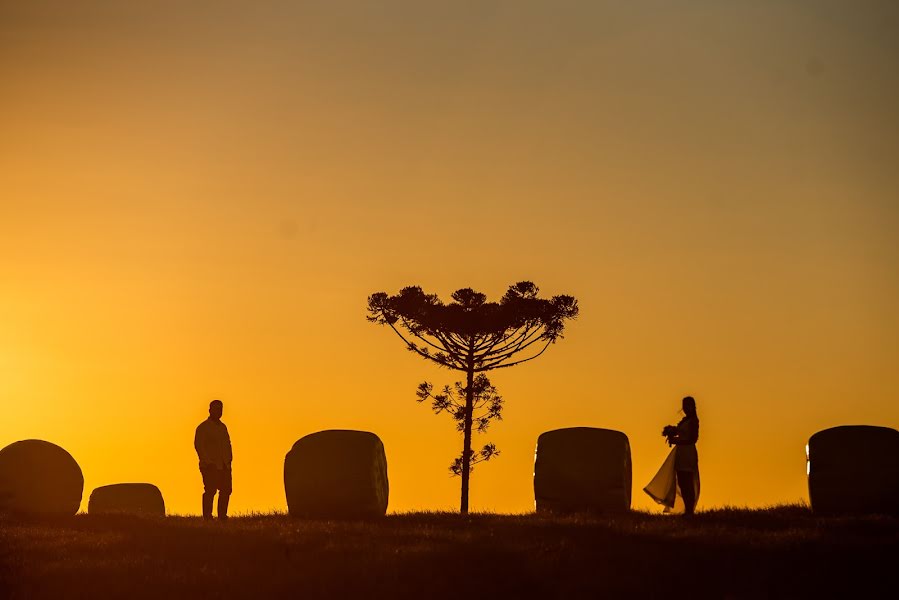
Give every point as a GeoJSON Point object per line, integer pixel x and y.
{"type": "Point", "coordinates": [208, 490]}
{"type": "Point", "coordinates": [224, 493]}
{"type": "Point", "coordinates": [687, 490]}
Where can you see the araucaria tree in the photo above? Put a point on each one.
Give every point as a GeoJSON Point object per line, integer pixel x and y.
{"type": "Point", "coordinates": [474, 336]}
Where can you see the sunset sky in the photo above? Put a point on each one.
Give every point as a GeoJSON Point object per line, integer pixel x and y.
{"type": "Point", "coordinates": [195, 203]}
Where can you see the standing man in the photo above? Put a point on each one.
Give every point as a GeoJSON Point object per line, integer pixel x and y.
{"type": "Point", "coordinates": [213, 445]}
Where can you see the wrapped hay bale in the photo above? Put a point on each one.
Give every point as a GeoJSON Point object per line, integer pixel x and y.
{"type": "Point", "coordinates": [582, 469]}
{"type": "Point", "coordinates": [39, 478]}
{"type": "Point", "coordinates": [143, 499]}
{"type": "Point", "coordinates": [854, 469]}
{"type": "Point", "coordinates": [337, 474]}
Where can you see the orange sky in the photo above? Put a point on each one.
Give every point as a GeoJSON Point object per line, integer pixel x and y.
{"type": "Point", "coordinates": [195, 204]}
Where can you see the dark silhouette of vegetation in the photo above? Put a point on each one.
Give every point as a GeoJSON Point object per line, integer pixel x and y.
{"type": "Point", "coordinates": [786, 552]}
{"type": "Point", "coordinates": [487, 406]}
{"type": "Point", "coordinates": [474, 336]}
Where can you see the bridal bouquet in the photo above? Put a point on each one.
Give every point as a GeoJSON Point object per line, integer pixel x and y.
{"type": "Point", "coordinates": [669, 432]}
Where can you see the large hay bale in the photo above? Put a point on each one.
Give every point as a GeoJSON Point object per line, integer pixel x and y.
{"type": "Point", "coordinates": [854, 469]}
{"type": "Point", "coordinates": [39, 478]}
{"type": "Point", "coordinates": [143, 499]}
{"type": "Point", "coordinates": [337, 474]}
{"type": "Point", "coordinates": [582, 469]}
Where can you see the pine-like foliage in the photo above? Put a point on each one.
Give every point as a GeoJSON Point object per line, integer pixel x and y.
{"type": "Point", "coordinates": [487, 406]}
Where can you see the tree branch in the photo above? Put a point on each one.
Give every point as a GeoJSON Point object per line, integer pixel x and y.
{"type": "Point", "coordinates": [447, 339]}
{"type": "Point", "coordinates": [430, 343]}
{"type": "Point", "coordinates": [499, 358]}
{"type": "Point", "coordinates": [511, 340]}
{"type": "Point", "coordinates": [505, 337]}
{"type": "Point", "coordinates": [423, 354]}
{"type": "Point", "coordinates": [512, 364]}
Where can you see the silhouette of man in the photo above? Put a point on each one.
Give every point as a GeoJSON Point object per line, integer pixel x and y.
{"type": "Point", "coordinates": [213, 445]}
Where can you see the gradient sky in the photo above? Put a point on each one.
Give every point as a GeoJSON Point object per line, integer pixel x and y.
{"type": "Point", "coordinates": [196, 202]}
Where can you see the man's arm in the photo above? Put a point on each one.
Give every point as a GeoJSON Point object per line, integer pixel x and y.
{"type": "Point", "coordinates": [229, 454]}
{"type": "Point", "coordinates": [201, 443]}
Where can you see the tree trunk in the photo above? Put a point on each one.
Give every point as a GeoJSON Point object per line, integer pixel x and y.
{"type": "Point", "coordinates": [466, 444]}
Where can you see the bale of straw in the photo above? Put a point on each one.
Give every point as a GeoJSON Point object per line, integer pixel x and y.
{"type": "Point", "coordinates": [337, 474]}
{"type": "Point", "coordinates": [39, 478]}
{"type": "Point", "coordinates": [582, 469]}
{"type": "Point", "coordinates": [854, 469]}
{"type": "Point", "coordinates": [142, 499]}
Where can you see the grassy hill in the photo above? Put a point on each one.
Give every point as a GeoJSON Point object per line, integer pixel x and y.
{"type": "Point", "coordinates": [728, 553]}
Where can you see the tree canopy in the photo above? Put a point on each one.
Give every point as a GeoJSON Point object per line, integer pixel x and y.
{"type": "Point", "coordinates": [470, 329]}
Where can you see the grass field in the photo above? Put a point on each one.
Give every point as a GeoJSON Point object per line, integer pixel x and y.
{"type": "Point", "coordinates": [779, 552]}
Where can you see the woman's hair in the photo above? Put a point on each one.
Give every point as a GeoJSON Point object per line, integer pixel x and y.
{"type": "Point", "coordinates": [689, 406]}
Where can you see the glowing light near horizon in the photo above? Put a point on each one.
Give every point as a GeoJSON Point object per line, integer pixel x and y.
{"type": "Point", "coordinates": [808, 462]}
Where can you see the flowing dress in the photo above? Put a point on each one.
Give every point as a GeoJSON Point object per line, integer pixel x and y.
{"type": "Point", "coordinates": [683, 457]}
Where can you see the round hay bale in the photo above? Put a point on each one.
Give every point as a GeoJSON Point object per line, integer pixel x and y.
{"type": "Point", "coordinates": [337, 474]}
{"type": "Point", "coordinates": [854, 469]}
{"type": "Point", "coordinates": [39, 478]}
{"type": "Point", "coordinates": [143, 499]}
{"type": "Point", "coordinates": [582, 469]}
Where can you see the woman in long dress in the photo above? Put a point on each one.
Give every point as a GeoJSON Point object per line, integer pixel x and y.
{"type": "Point", "coordinates": [677, 482]}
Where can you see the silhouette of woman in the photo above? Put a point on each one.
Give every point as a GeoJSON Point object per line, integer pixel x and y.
{"type": "Point", "coordinates": [679, 476]}
{"type": "Point", "coordinates": [686, 459]}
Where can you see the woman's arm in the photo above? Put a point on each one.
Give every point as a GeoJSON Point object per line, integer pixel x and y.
{"type": "Point", "coordinates": [683, 441]}
{"type": "Point", "coordinates": [690, 436]}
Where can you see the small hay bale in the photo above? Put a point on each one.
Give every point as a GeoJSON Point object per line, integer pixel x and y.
{"type": "Point", "coordinates": [143, 499]}
{"type": "Point", "coordinates": [582, 469]}
{"type": "Point", "coordinates": [337, 474]}
{"type": "Point", "coordinates": [854, 469]}
{"type": "Point", "coordinates": [39, 478]}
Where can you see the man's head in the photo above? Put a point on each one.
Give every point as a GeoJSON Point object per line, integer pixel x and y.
{"type": "Point", "coordinates": [215, 409]}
